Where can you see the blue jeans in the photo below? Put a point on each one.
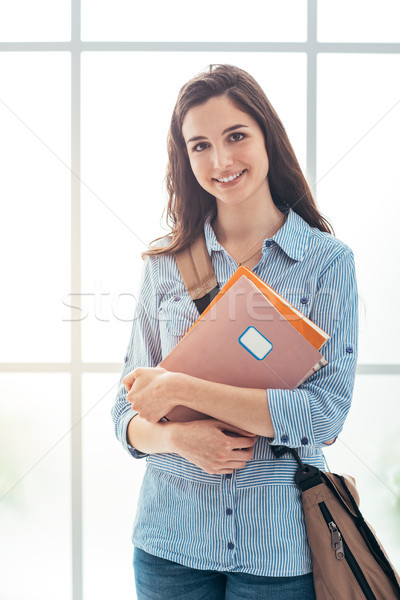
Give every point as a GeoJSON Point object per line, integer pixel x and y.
{"type": "Point", "coordinates": [160, 579]}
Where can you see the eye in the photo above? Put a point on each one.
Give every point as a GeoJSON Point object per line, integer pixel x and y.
{"type": "Point", "coordinates": [237, 136]}
{"type": "Point", "coordinates": [199, 147]}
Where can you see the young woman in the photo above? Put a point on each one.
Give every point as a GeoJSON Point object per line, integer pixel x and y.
{"type": "Point", "coordinates": [219, 516]}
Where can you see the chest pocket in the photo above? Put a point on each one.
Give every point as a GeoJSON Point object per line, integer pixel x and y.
{"type": "Point", "coordinates": [178, 315]}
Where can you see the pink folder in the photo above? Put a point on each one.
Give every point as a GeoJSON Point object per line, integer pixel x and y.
{"type": "Point", "coordinates": [243, 340]}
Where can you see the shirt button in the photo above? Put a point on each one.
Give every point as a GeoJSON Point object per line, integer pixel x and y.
{"type": "Point", "coordinates": [304, 441]}
{"type": "Point", "coordinates": [349, 349]}
{"type": "Point", "coordinates": [304, 300]}
{"type": "Point", "coordinates": [284, 439]}
{"type": "Point", "coordinates": [126, 359]}
{"type": "Point", "coordinates": [231, 546]}
{"type": "Point", "coordinates": [268, 243]}
{"type": "Point", "coordinates": [229, 511]}
{"type": "Point", "coordinates": [177, 298]}
{"type": "Point", "coordinates": [228, 476]}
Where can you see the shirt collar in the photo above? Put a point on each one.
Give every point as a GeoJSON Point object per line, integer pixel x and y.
{"type": "Point", "coordinates": [292, 237]}
{"type": "Point", "coordinates": [211, 239]}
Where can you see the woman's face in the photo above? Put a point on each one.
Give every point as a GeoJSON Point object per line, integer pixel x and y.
{"type": "Point", "coordinates": [227, 152]}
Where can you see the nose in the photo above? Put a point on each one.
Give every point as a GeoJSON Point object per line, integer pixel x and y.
{"type": "Point", "coordinates": [222, 158]}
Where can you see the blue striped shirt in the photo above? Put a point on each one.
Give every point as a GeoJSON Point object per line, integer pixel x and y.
{"type": "Point", "coordinates": [251, 521]}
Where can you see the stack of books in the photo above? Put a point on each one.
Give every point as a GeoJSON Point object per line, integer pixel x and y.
{"type": "Point", "coordinates": [248, 336]}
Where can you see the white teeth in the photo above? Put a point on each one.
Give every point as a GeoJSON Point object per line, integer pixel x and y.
{"type": "Point", "coordinates": [231, 178]}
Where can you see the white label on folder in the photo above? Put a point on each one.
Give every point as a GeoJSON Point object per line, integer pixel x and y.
{"type": "Point", "coordinates": [255, 343]}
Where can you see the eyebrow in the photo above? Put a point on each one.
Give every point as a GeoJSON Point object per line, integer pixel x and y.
{"type": "Point", "coordinates": [227, 130]}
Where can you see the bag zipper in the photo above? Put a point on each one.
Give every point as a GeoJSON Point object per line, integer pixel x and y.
{"type": "Point", "coordinates": [343, 551]}
{"type": "Point", "coordinates": [337, 540]}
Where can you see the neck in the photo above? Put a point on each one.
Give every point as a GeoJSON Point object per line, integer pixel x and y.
{"type": "Point", "coordinates": [242, 228]}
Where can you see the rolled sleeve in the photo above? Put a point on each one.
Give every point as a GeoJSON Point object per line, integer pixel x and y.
{"type": "Point", "coordinates": [314, 413]}
{"type": "Point", "coordinates": [144, 349]}
{"type": "Point", "coordinates": [123, 423]}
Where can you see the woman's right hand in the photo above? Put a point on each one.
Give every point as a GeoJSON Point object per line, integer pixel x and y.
{"type": "Point", "coordinates": [205, 444]}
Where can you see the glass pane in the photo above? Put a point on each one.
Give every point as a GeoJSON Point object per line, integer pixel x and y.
{"type": "Point", "coordinates": [125, 120]}
{"type": "Point", "coordinates": [358, 175]}
{"type": "Point", "coordinates": [178, 20]}
{"type": "Point", "coordinates": [35, 192]}
{"type": "Point", "coordinates": [359, 21]}
{"type": "Point", "coordinates": [111, 485]}
{"type": "Point", "coordinates": [369, 450]}
{"type": "Point", "coordinates": [39, 21]}
{"type": "Point", "coordinates": [35, 522]}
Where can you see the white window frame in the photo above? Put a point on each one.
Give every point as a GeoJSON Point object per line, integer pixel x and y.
{"type": "Point", "coordinates": [76, 368]}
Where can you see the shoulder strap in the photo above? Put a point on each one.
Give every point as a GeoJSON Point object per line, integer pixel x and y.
{"type": "Point", "coordinates": [194, 264]}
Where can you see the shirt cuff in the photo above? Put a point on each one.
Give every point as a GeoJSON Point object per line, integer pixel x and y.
{"type": "Point", "coordinates": [130, 414]}
{"type": "Point", "coordinates": [291, 418]}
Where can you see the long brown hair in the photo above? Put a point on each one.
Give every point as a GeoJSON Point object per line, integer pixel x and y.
{"type": "Point", "coordinates": [188, 203]}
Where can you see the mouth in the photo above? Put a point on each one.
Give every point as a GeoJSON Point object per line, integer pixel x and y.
{"type": "Point", "coordinates": [233, 177]}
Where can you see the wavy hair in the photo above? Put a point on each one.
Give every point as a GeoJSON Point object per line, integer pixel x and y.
{"type": "Point", "coordinates": [188, 203]}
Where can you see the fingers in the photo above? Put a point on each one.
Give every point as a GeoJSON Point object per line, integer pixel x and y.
{"type": "Point", "coordinates": [241, 443]}
{"type": "Point", "coordinates": [204, 443]}
{"type": "Point", "coordinates": [129, 379]}
{"type": "Point", "coordinates": [237, 439]}
{"type": "Point", "coordinates": [225, 454]}
{"type": "Point", "coordinates": [145, 373]}
{"type": "Point", "coordinates": [240, 449]}
{"type": "Point", "coordinates": [232, 430]}
{"type": "Point", "coordinates": [243, 454]}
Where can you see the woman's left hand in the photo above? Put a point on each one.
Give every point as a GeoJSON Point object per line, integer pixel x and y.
{"type": "Point", "coordinates": [151, 392]}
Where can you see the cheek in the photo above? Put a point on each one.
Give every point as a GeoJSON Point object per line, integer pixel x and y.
{"type": "Point", "coordinates": [261, 160]}
{"type": "Point", "coordinates": [266, 165]}
{"type": "Point", "coordinates": [265, 160]}
{"type": "Point", "coordinates": [198, 170]}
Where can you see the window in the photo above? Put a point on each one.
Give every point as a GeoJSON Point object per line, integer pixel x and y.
{"type": "Point", "coordinates": [87, 89]}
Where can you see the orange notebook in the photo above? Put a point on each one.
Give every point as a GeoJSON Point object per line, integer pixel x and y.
{"type": "Point", "coordinates": [314, 334]}
{"type": "Point", "coordinates": [248, 336]}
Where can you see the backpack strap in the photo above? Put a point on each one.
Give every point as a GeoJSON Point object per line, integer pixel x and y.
{"type": "Point", "coordinates": [194, 264]}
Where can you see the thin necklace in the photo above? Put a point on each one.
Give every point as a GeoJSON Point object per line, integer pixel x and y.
{"type": "Point", "coordinates": [242, 261]}
{"type": "Point", "coordinates": [249, 257]}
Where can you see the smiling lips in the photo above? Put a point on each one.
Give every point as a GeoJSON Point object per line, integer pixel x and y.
{"type": "Point", "coordinates": [231, 177]}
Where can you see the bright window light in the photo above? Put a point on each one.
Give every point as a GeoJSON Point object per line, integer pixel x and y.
{"type": "Point", "coordinates": [182, 21]}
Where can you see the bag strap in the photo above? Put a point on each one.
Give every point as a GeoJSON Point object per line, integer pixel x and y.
{"type": "Point", "coordinates": [194, 264]}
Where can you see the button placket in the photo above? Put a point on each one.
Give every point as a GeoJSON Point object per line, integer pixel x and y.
{"type": "Point", "coordinates": [228, 529]}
